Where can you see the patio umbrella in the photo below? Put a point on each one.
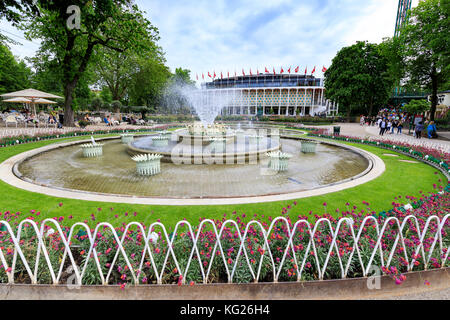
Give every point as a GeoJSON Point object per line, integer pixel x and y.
{"type": "Point", "coordinates": [31, 94]}
{"type": "Point", "coordinates": [18, 100]}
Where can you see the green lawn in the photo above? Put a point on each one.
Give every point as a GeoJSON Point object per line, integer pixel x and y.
{"type": "Point", "coordinates": [399, 179]}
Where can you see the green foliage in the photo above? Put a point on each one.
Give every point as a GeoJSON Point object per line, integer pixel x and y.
{"type": "Point", "coordinates": [425, 47]}
{"type": "Point", "coordinates": [417, 106]}
{"type": "Point", "coordinates": [183, 76]}
{"type": "Point", "coordinates": [358, 78]}
{"type": "Point", "coordinates": [114, 24]}
{"type": "Point", "coordinates": [14, 74]}
{"type": "Point", "coordinates": [147, 85]}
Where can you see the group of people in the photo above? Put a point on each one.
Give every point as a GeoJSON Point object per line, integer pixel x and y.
{"type": "Point", "coordinates": [431, 130]}
{"type": "Point", "coordinates": [388, 125]}
{"type": "Point", "coordinates": [391, 121]}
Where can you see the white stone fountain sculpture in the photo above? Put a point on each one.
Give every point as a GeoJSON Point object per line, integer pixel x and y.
{"type": "Point", "coordinates": [279, 161]}
{"type": "Point", "coordinates": [92, 150]}
{"type": "Point", "coordinates": [127, 138]}
{"type": "Point", "coordinates": [148, 164]}
{"type": "Point", "coordinates": [309, 146]}
{"type": "Point", "coordinates": [161, 141]}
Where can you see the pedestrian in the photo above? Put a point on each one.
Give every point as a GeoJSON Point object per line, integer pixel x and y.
{"type": "Point", "coordinates": [382, 126]}
{"type": "Point", "coordinates": [432, 130]}
{"type": "Point", "coordinates": [400, 126]}
{"type": "Point", "coordinates": [389, 126]}
{"type": "Point", "coordinates": [418, 130]}
{"type": "Point", "coordinates": [394, 125]}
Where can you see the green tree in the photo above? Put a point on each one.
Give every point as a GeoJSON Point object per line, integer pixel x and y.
{"type": "Point", "coordinates": [13, 11]}
{"type": "Point", "coordinates": [114, 24]}
{"type": "Point", "coordinates": [183, 76]}
{"type": "Point", "coordinates": [97, 103]}
{"type": "Point", "coordinates": [14, 75]}
{"type": "Point", "coordinates": [417, 106]}
{"type": "Point", "coordinates": [358, 76]}
{"type": "Point", "coordinates": [425, 49]}
{"type": "Point", "coordinates": [148, 84]}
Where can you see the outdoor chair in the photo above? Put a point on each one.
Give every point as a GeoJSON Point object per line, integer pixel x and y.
{"type": "Point", "coordinates": [11, 119]}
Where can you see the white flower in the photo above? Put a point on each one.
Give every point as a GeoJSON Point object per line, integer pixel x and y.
{"type": "Point", "coordinates": [408, 207]}
{"type": "Point", "coordinates": [411, 151]}
{"type": "Point", "coordinates": [426, 157]}
{"type": "Point", "coordinates": [154, 237]}
{"type": "Point", "coordinates": [347, 139]}
{"type": "Point", "coordinates": [378, 143]}
{"type": "Point", "coordinates": [17, 141]}
{"type": "Point", "coordinates": [50, 232]}
{"type": "Point", "coordinates": [394, 147]}
{"type": "Point", "coordinates": [441, 163]}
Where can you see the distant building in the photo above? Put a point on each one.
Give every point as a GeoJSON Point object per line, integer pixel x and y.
{"type": "Point", "coordinates": [272, 94]}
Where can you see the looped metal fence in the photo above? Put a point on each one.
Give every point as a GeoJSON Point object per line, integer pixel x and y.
{"type": "Point", "coordinates": [344, 229]}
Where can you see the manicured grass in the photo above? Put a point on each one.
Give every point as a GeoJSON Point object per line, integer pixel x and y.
{"type": "Point", "coordinates": [399, 179]}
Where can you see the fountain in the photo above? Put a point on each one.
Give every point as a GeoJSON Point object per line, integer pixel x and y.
{"type": "Point", "coordinates": [92, 150]}
{"type": "Point", "coordinates": [218, 144]}
{"type": "Point", "coordinates": [278, 160]}
{"type": "Point", "coordinates": [309, 146]}
{"type": "Point", "coordinates": [161, 141]}
{"type": "Point", "coordinates": [126, 138]}
{"type": "Point", "coordinates": [148, 164]}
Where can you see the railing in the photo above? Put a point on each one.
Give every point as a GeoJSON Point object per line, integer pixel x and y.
{"type": "Point", "coordinates": [282, 247]}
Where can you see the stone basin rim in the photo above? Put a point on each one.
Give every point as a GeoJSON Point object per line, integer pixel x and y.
{"type": "Point", "coordinates": [10, 174]}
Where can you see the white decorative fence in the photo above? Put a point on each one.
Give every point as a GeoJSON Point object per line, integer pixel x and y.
{"type": "Point", "coordinates": [431, 232]}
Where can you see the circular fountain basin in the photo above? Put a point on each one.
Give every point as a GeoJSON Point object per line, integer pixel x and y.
{"type": "Point", "coordinates": [184, 148]}
{"type": "Point", "coordinates": [115, 173]}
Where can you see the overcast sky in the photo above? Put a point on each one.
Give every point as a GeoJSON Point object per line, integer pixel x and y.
{"type": "Point", "coordinates": [231, 35]}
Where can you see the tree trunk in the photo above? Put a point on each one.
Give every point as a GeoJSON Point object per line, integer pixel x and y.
{"type": "Point", "coordinates": [371, 107]}
{"type": "Point", "coordinates": [68, 111]}
{"type": "Point", "coordinates": [348, 114]}
{"type": "Point", "coordinates": [434, 98]}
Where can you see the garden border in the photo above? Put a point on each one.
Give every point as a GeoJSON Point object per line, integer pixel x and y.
{"type": "Point", "coordinates": [342, 289]}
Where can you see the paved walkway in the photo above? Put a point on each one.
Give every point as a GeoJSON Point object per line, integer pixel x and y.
{"type": "Point", "coordinates": [355, 129]}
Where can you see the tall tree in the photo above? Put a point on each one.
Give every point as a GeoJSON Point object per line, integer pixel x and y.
{"type": "Point", "coordinates": [13, 11]}
{"type": "Point", "coordinates": [14, 74]}
{"type": "Point", "coordinates": [71, 34]}
{"type": "Point", "coordinates": [425, 47]}
{"type": "Point", "coordinates": [358, 76]}
{"type": "Point", "coordinates": [115, 70]}
{"type": "Point", "coordinates": [148, 84]}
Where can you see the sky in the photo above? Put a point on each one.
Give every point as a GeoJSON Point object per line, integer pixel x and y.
{"type": "Point", "coordinates": [230, 35]}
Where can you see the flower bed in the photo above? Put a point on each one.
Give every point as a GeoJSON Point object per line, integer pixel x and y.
{"type": "Point", "coordinates": [308, 247]}
{"type": "Point", "coordinates": [432, 155]}
{"type": "Point", "coordinates": [21, 139]}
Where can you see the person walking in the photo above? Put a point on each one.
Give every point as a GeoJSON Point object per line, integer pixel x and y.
{"type": "Point", "coordinates": [418, 130]}
{"type": "Point", "coordinates": [432, 130]}
{"type": "Point", "coordinates": [389, 126]}
{"type": "Point", "coordinates": [382, 127]}
{"type": "Point", "coordinates": [400, 126]}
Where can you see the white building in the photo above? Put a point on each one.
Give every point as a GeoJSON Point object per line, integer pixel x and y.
{"type": "Point", "coordinates": [272, 94]}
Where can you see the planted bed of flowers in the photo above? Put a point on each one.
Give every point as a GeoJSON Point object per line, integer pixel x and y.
{"type": "Point", "coordinates": [21, 139]}
{"type": "Point", "coordinates": [437, 156]}
{"type": "Point", "coordinates": [296, 245]}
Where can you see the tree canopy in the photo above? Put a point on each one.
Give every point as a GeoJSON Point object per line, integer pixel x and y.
{"type": "Point", "coordinates": [114, 24]}
{"type": "Point", "coordinates": [358, 78]}
{"type": "Point", "coordinates": [425, 48]}
{"type": "Point", "coordinates": [417, 106]}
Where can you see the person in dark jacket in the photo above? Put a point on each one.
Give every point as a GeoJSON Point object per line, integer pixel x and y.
{"type": "Point", "coordinates": [418, 130]}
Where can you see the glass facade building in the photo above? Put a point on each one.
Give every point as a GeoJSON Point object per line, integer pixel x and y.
{"type": "Point", "coordinates": [272, 94]}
